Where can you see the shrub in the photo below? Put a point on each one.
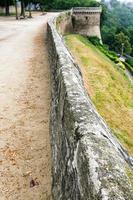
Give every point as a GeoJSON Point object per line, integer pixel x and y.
{"type": "Point", "coordinates": [110, 54]}
{"type": "Point", "coordinates": [94, 40]}
{"type": "Point", "coordinates": [128, 67]}
{"type": "Point", "coordinates": [129, 60]}
{"type": "Point", "coordinates": [121, 65]}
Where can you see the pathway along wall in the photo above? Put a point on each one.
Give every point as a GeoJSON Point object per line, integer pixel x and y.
{"type": "Point", "coordinates": [87, 164]}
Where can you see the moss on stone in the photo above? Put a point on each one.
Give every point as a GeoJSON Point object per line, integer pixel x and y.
{"type": "Point", "coordinates": [129, 173]}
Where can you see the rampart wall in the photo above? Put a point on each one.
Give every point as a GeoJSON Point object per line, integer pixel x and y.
{"type": "Point", "coordinates": [88, 162]}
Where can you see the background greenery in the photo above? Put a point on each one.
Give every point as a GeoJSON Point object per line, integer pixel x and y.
{"type": "Point", "coordinates": [116, 20]}
{"type": "Point", "coordinates": [117, 26]}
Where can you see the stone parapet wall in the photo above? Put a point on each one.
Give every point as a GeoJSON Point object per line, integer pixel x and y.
{"type": "Point", "coordinates": [64, 23]}
{"type": "Point", "coordinates": [88, 162]}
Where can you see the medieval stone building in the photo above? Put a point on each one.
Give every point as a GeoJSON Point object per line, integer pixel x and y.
{"type": "Point", "coordinates": [86, 20]}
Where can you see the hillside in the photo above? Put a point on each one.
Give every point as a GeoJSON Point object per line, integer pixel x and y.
{"type": "Point", "coordinates": [109, 88]}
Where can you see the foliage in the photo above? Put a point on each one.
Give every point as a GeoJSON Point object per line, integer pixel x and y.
{"type": "Point", "coordinates": [5, 2]}
{"type": "Point", "coordinates": [129, 60]}
{"type": "Point", "coordinates": [122, 42]}
{"type": "Point", "coordinates": [117, 26]}
{"type": "Point", "coordinates": [129, 67]}
{"type": "Point", "coordinates": [94, 40]}
{"type": "Point", "coordinates": [104, 49]}
{"type": "Point", "coordinates": [54, 4]}
{"type": "Point", "coordinates": [67, 4]}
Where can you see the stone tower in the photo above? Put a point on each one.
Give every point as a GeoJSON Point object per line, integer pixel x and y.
{"type": "Point", "coordinates": [86, 20]}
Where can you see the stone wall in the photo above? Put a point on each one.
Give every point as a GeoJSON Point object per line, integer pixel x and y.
{"type": "Point", "coordinates": [64, 23]}
{"type": "Point", "coordinates": [88, 162]}
{"type": "Point", "coordinates": [87, 21]}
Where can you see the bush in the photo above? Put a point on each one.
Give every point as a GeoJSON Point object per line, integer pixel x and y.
{"type": "Point", "coordinates": [128, 67]}
{"type": "Point", "coordinates": [94, 40]}
{"type": "Point", "coordinates": [104, 48]}
{"type": "Point", "coordinates": [129, 60]}
{"type": "Point", "coordinates": [121, 65]}
{"type": "Point", "coordinates": [110, 54]}
{"type": "Point", "coordinates": [68, 4]}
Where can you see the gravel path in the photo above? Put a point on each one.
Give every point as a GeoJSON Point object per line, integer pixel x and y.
{"type": "Point", "coordinates": [25, 161]}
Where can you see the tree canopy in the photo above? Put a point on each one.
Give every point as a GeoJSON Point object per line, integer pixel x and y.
{"type": "Point", "coordinates": [117, 26]}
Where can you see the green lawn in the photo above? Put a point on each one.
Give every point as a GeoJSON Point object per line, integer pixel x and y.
{"type": "Point", "coordinates": [108, 86]}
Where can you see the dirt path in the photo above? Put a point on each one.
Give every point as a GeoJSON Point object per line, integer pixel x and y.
{"type": "Point", "coordinates": [24, 110]}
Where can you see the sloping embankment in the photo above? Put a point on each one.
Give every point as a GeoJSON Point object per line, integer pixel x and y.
{"type": "Point", "coordinates": [87, 163]}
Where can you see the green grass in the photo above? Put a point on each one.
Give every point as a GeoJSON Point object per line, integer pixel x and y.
{"type": "Point", "coordinates": [110, 89]}
{"type": "Point", "coordinates": [3, 15]}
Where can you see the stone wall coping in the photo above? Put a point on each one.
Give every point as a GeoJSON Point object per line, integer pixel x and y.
{"type": "Point", "coordinates": [87, 9]}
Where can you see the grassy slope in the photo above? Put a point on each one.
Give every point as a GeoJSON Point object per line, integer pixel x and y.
{"type": "Point", "coordinates": [109, 88]}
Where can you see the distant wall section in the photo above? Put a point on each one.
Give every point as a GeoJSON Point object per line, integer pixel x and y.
{"type": "Point", "coordinates": [86, 21]}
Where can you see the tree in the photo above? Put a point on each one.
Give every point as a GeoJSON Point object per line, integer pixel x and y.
{"type": "Point", "coordinates": [130, 34]}
{"type": "Point", "coordinates": [30, 15]}
{"type": "Point", "coordinates": [132, 52]}
{"type": "Point", "coordinates": [122, 44]}
{"type": "Point", "coordinates": [117, 18]}
{"type": "Point", "coordinates": [22, 9]}
{"type": "Point", "coordinates": [6, 4]}
{"type": "Point", "coordinates": [67, 4]}
{"type": "Point", "coordinates": [114, 3]}
{"type": "Point", "coordinates": [108, 36]}
{"type": "Point", "coordinates": [16, 9]}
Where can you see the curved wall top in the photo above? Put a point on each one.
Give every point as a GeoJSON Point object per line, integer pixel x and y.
{"type": "Point", "coordinates": [87, 9]}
